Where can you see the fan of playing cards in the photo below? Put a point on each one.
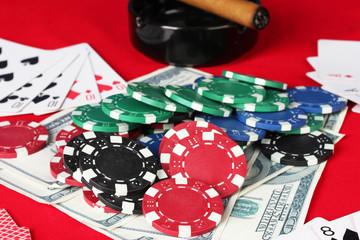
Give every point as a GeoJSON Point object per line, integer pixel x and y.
{"type": "Point", "coordinates": [38, 81]}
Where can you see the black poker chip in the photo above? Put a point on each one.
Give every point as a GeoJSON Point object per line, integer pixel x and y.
{"type": "Point", "coordinates": [72, 149]}
{"type": "Point", "coordinates": [297, 150]}
{"type": "Point", "coordinates": [117, 165]}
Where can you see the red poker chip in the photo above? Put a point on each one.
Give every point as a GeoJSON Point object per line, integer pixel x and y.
{"type": "Point", "coordinates": [68, 132]}
{"type": "Point", "coordinates": [162, 126]}
{"type": "Point", "coordinates": [134, 133]}
{"type": "Point", "coordinates": [21, 138]}
{"type": "Point", "coordinates": [94, 202]}
{"type": "Point", "coordinates": [179, 132]}
{"type": "Point", "coordinates": [59, 172]}
{"type": "Point", "coordinates": [182, 207]}
{"type": "Point", "coordinates": [211, 158]}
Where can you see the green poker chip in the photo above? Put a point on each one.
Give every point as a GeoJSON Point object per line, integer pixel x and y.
{"type": "Point", "coordinates": [126, 108]}
{"type": "Point", "coordinates": [274, 101]}
{"type": "Point", "coordinates": [314, 122]}
{"type": "Point", "coordinates": [154, 95]}
{"type": "Point", "coordinates": [192, 99]}
{"type": "Point", "coordinates": [254, 80]}
{"type": "Point", "coordinates": [92, 118]}
{"type": "Point", "coordinates": [230, 91]}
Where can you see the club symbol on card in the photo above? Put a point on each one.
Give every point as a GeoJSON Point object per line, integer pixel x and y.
{"type": "Point", "coordinates": [40, 98]}
{"type": "Point", "coordinates": [30, 61]}
{"type": "Point", "coordinates": [72, 95]}
{"type": "Point", "coordinates": [11, 97]}
{"type": "Point", "coordinates": [3, 64]}
{"type": "Point", "coordinates": [6, 77]}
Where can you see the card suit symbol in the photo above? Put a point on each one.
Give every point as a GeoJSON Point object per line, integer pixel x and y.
{"type": "Point", "coordinates": [39, 76]}
{"type": "Point", "coordinates": [3, 64]}
{"type": "Point", "coordinates": [88, 91]}
{"type": "Point", "coordinates": [116, 82]}
{"type": "Point", "coordinates": [72, 95]}
{"type": "Point", "coordinates": [11, 97]}
{"type": "Point", "coordinates": [98, 77]}
{"type": "Point", "coordinates": [103, 88]}
{"type": "Point", "coordinates": [55, 97]}
{"type": "Point", "coordinates": [59, 75]}
{"type": "Point", "coordinates": [348, 76]}
{"type": "Point", "coordinates": [23, 99]}
{"type": "Point", "coordinates": [75, 82]}
{"type": "Point", "coordinates": [27, 85]}
{"type": "Point", "coordinates": [6, 77]}
{"type": "Point", "coordinates": [53, 84]}
{"type": "Point", "coordinates": [30, 61]}
{"type": "Point", "coordinates": [40, 98]}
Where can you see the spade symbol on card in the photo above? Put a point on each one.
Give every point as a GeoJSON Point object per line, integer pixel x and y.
{"type": "Point", "coordinates": [53, 84]}
{"type": "Point", "coordinates": [12, 97]}
{"type": "Point", "coordinates": [30, 61]}
{"type": "Point", "coordinates": [6, 77]}
{"type": "Point", "coordinates": [40, 98]}
{"type": "Point", "coordinates": [25, 86]}
{"type": "Point", "coordinates": [3, 64]}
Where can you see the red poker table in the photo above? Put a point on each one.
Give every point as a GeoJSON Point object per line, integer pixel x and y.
{"type": "Point", "coordinates": [279, 54]}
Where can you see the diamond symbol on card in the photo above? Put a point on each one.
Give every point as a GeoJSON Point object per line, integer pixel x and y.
{"type": "Point", "coordinates": [88, 91]}
{"type": "Point", "coordinates": [348, 76]}
{"type": "Point", "coordinates": [103, 88]}
{"type": "Point", "coordinates": [72, 95]}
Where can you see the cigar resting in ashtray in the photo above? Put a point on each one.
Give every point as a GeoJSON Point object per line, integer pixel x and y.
{"type": "Point", "coordinates": [243, 12]}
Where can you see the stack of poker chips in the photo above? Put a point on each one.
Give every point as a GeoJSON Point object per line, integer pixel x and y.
{"type": "Point", "coordinates": [175, 157]}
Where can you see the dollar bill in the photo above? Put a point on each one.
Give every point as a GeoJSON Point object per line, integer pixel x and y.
{"type": "Point", "coordinates": [335, 120]}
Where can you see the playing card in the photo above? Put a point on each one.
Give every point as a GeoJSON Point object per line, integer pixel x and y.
{"type": "Point", "coordinates": [339, 229]}
{"type": "Point", "coordinates": [108, 81]}
{"type": "Point", "coordinates": [54, 95]}
{"type": "Point", "coordinates": [20, 64]}
{"type": "Point", "coordinates": [26, 93]}
{"type": "Point", "coordinates": [339, 59]}
{"type": "Point", "coordinates": [15, 233]}
{"type": "Point", "coordinates": [314, 62]}
{"type": "Point", "coordinates": [303, 232]}
{"type": "Point", "coordinates": [5, 220]}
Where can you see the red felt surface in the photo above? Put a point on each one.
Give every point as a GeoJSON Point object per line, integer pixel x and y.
{"type": "Point", "coordinates": [280, 54]}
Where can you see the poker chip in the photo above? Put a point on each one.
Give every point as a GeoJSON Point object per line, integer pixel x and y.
{"type": "Point", "coordinates": [154, 95]}
{"type": "Point", "coordinates": [229, 91]}
{"type": "Point", "coordinates": [254, 80]}
{"type": "Point", "coordinates": [286, 120]}
{"type": "Point", "coordinates": [126, 108]}
{"type": "Point", "coordinates": [192, 99]}
{"type": "Point", "coordinates": [273, 102]}
{"type": "Point", "coordinates": [235, 129]}
{"type": "Point", "coordinates": [72, 149]}
{"type": "Point", "coordinates": [19, 139]}
{"type": "Point", "coordinates": [134, 133]}
{"type": "Point", "coordinates": [182, 207]}
{"type": "Point", "coordinates": [297, 150]}
{"type": "Point", "coordinates": [58, 171]}
{"type": "Point", "coordinates": [130, 204]}
{"type": "Point", "coordinates": [314, 122]}
{"type": "Point", "coordinates": [162, 126]}
{"type": "Point", "coordinates": [179, 132]}
{"type": "Point", "coordinates": [152, 142]}
{"type": "Point", "coordinates": [94, 202]}
{"type": "Point", "coordinates": [65, 135]}
{"type": "Point", "coordinates": [117, 166]}
{"type": "Point", "coordinates": [199, 156]}
{"type": "Point", "coordinates": [92, 118]}
{"type": "Point", "coordinates": [315, 100]}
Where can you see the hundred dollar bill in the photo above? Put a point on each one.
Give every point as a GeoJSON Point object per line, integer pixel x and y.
{"type": "Point", "coordinates": [335, 120]}
{"type": "Point", "coordinates": [78, 209]}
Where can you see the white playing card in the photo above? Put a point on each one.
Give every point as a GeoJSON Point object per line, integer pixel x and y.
{"type": "Point", "coordinates": [314, 62]}
{"type": "Point", "coordinates": [339, 229]}
{"type": "Point", "coordinates": [54, 95]}
{"type": "Point", "coordinates": [109, 82]}
{"type": "Point", "coordinates": [24, 95]}
{"type": "Point", "coordinates": [339, 59]}
{"type": "Point", "coordinates": [20, 64]}
{"type": "Point", "coordinates": [84, 91]}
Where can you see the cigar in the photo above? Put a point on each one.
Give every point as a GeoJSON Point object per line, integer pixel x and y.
{"type": "Point", "coordinates": [243, 12]}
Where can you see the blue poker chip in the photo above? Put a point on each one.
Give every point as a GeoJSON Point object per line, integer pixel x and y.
{"type": "Point", "coordinates": [152, 142]}
{"type": "Point", "coordinates": [286, 120]}
{"type": "Point", "coordinates": [315, 100]}
{"type": "Point", "coordinates": [235, 129]}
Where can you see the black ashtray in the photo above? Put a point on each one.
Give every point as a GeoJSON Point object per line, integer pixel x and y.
{"type": "Point", "coordinates": [177, 34]}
